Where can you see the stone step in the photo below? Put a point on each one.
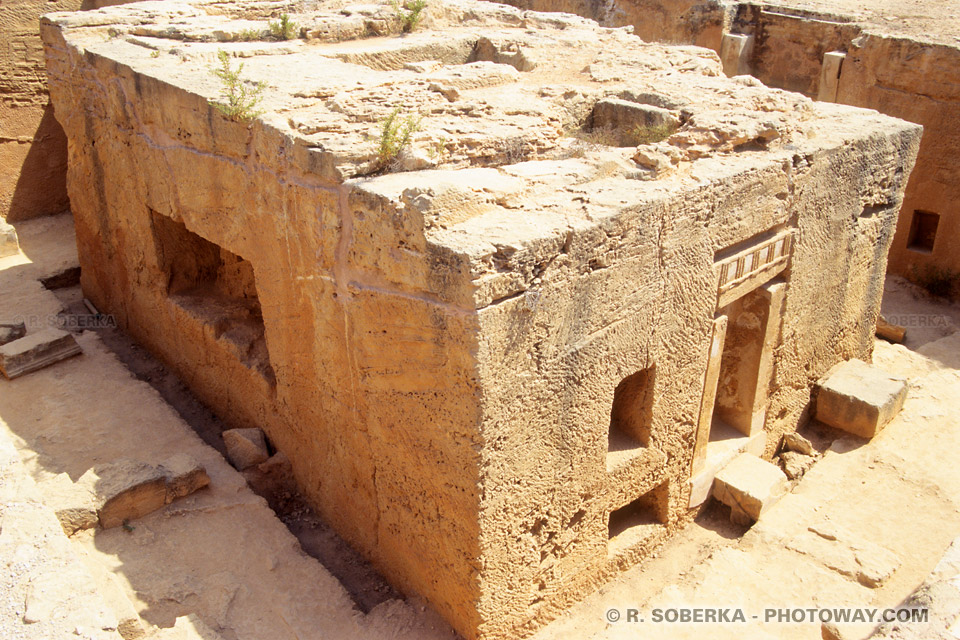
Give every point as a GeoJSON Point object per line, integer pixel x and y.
{"type": "Point", "coordinates": [859, 398]}
{"type": "Point", "coordinates": [749, 486]}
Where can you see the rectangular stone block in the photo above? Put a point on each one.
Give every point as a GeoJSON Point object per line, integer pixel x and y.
{"type": "Point", "coordinates": [749, 486]}
{"type": "Point", "coordinates": [830, 76]}
{"type": "Point", "coordinates": [859, 398]}
{"type": "Point", "coordinates": [735, 52]}
{"type": "Point", "coordinates": [36, 351]}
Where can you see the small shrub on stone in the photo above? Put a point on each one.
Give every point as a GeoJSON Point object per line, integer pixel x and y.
{"type": "Point", "coordinates": [241, 98]}
{"type": "Point", "coordinates": [395, 134]}
{"type": "Point", "coordinates": [284, 28]}
{"type": "Point", "coordinates": [410, 13]}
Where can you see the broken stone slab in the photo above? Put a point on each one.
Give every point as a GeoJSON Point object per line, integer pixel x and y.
{"type": "Point", "coordinates": [245, 447]}
{"type": "Point", "coordinates": [796, 464]}
{"type": "Point", "coordinates": [74, 503]}
{"type": "Point", "coordinates": [749, 486]}
{"type": "Point", "coordinates": [859, 398]}
{"type": "Point", "coordinates": [10, 331]}
{"type": "Point", "coordinates": [183, 475]}
{"type": "Point", "coordinates": [127, 490]}
{"type": "Point", "coordinates": [36, 351]}
{"type": "Point", "coordinates": [9, 244]}
{"type": "Point", "coordinates": [797, 443]}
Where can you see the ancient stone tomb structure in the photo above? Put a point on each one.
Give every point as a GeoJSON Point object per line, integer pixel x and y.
{"type": "Point", "coordinates": [509, 362]}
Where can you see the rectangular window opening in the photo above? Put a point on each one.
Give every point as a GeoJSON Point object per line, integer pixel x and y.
{"type": "Point", "coordinates": [923, 231]}
{"type": "Point", "coordinates": [217, 287]}
{"type": "Point", "coordinates": [635, 522]}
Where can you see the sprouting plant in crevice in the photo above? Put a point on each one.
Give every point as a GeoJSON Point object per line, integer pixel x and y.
{"type": "Point", "coordinates": [284, 28]}
{"type": "Point", "coordinates": [410, 13]}
{"type": "Point", "coordinates": [395, 134]}
{"type": "Point", "coordinates": [241, 98]}
{"type": "Point", "coordinates": [438, 150]}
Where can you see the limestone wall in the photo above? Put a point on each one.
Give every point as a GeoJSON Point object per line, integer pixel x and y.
{"type": "Point", "coordinates": [918, 82]}
{"type": "Point", "coordinates": [33, 149]}
{"type": "Point", "coordinates": [910, 77]}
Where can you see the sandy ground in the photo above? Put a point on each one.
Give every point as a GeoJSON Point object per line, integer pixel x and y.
{"type": "Point", "coordinates": [225, 556]}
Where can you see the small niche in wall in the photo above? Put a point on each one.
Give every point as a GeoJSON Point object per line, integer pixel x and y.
{"type": "Point", "coordinates": [923, 231]}
{"type": "Point", "coordinates": [641, 518]}
{"type": "Point", "coordinates": [632, 411]}
{"type": "Point", "coordinates": [215, 286]}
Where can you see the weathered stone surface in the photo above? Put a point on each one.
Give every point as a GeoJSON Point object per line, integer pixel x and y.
{"type": "Point", "coordinates": [245, 447]}
{"type": "Point", "coordinates": [938, 597]}
{"type": "Point", "coordinates": [840, 550]}
{"type": "Point", "coordinates": [12, 331]}
{"type": "Point", "coordinates": [859, 398]}
{"type": "Point", "coordinates": [36, 351]}
{"type": "Point", "coordinates": [183, 475]}
{"type": "Point", "coordinates": [370, 320]}
{"type": "Point", "coordinates": [749, 486]}
{"type": "Point", "coordinates": [127, 490]}
{"type": "Point", "coordinates": [129, 624]}
{"type": "Point", "coordinates": [796, 464]}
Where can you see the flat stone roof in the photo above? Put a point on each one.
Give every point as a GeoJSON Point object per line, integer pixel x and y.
{"type": "Point", "coordinates": [503, 153]}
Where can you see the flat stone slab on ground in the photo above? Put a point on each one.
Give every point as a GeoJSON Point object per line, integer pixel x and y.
{"type": "Point", "coordinates": [749, 486]}
{"type": "Point", "coordinates": [859, 398]}
{"type": "Point", "coordinates": [36, 351]}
